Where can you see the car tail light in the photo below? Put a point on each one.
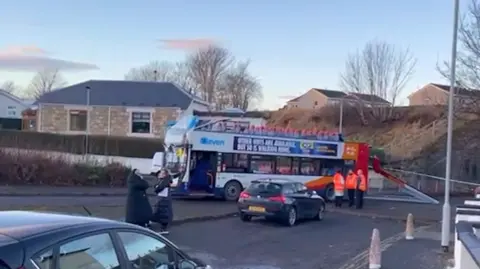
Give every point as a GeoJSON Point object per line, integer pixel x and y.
{"type": "Point", "coordinates": [280, 199]}
{"type": "Point", "coordinates": [244, 195]}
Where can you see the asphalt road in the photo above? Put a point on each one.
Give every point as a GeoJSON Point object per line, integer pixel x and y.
{"type": "Point", "coordinates": [232, 244]}
{"type": "Point", "coordinates": [112, 207]}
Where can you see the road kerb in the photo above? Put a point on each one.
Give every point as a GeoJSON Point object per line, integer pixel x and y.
{"type": "Point", "coordinates": [422, 221]}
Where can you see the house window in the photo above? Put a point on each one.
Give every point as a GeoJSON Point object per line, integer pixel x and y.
{"type": "Point", "coordinates": [141, 123]}
{"type": "Point", "coordinates": [11, 111]}
{"type": "Point", "coordinates": [333, 102]}
{"type": "Point", "coordinates": [78, 120]}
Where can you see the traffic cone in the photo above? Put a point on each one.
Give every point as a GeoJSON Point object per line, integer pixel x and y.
{"type": "Point", "coordinates": [409, 229]}
{"type": "Point", "coordinates": [375, 255]}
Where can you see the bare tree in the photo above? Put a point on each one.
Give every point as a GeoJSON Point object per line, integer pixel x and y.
{"type": "Point", "coordinates": [183, 78]}
{"type": "Point", "coordinates": [378, 69]}
{"type": "Point", "coordinates": [468, 62]}
{"type": "Point", "coordinates": [153, 71]}
{"type": "Point", "coordinates": [45, 81]}
{"type": "Point", "coordinates": [206, 67]}
{"type": "Point", "coordinates": [238, 88]}
{"type": "Point", "coordinates": [210, 73]}
{"type": "Point", "coordinates": [163, 71]}
{"type": "Point", "coordinates": [9, 86]}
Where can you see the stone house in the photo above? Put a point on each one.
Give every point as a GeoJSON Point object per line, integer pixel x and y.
{"type": "Point", "coordinates": [318, 98]}
{"type": "Point", "coordinates": [117, 108]}
{"type": "Point", "coordinates": [437, 94]}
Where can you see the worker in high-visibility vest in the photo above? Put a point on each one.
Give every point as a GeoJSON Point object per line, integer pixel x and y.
{"type": "Point", "coordinates": [339, 187]}
{"type": "Point", "coordinates": [361, 188]}
{"type": "Point", "coordinates": [351, 185]}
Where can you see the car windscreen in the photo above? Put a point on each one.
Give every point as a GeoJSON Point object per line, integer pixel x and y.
{"type": "Point", "coordinates": [264, 188]}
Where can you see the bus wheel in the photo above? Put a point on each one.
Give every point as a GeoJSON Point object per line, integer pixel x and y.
{"type": "Point", "coordinates": [330, 193]}
{"type": "Point", "coordinates": [232, 190]}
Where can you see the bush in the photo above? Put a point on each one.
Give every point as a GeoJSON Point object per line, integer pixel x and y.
{"type": "Point", "coordinates": [18, 168]}
{"type": "Point", "coordinates": [98, 145]}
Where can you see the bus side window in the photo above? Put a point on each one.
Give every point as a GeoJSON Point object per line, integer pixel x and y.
{"type": "Point", "coordinates": [261, 164]}
{"type": "Point", "coordinates": [327, 168]}
{"type": "Point", "coordinates": [284, 165]}
{"type": "Point", "coordinates": [309, 167]}
{"type": "Point", "coordinates": [234, 163]}
{"type": "Point", "coordinates": [295, 166]}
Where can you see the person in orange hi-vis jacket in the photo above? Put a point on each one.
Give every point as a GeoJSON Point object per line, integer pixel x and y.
{"type": "Point", "coordinates": [351, 185]}
{"type": "Point", "coordinates": [361, 188]}
{"type": "Point", "coordinates": [339, 187]}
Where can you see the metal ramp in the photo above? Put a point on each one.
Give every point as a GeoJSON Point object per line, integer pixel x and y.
{"type": "Point", "coordinates": [385, 186]}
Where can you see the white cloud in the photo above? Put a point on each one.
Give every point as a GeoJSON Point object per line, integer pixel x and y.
{"type": "Point", "coordinates": [187, 44]}
{"type": "Point", "coordinates": [32, 58]}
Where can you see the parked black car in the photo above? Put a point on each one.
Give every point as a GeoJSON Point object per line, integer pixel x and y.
{"type": "Point", "coordinates": [282, 200]}
{"type": "Point", "coordinates": [30, 240]}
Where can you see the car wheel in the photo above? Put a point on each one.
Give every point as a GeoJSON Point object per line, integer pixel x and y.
{"type": "Point", "coordinates": [330, 193]}
{"type": "Point", "coordinates": [232, 190]}
{"type": "Point", "coordinates": [292, 216]}
{"type": "Point", "coordinates": [321, 213]}
{"type": "Point", "coordinates": [245, 217]}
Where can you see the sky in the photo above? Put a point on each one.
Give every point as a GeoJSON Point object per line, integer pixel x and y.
{"type": "Point", "coordinates": [293, 45]}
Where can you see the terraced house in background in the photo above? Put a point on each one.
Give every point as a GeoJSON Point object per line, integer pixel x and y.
{"type": "Point", "coordinates": [117, 108]}
{"type": "Point", "coordinates": [437, 94]}
{"type": "Point", "coordinates": [318, 98]}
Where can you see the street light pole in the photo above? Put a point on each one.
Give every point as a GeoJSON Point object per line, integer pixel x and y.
{"type": "Point", "coordinates": [340, 124]}
{"type": "Point", "coordinates": [88, 121]}
{"type": "Point", "coordinates": [446, 218]}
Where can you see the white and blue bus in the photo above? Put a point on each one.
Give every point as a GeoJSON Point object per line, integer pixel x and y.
{"type": "Point", "coordinates": [210, 161]}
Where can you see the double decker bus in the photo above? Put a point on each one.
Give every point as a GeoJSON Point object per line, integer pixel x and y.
{"type": "Point", "coordinates": [208, 161]}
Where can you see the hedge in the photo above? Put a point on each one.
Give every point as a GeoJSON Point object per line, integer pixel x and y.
{"type": "Point", "coordinates": [98, 145]}
{"type": "Point", "coordinates": [19, 168]}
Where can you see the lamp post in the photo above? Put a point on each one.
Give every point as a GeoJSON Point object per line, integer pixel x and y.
{"type": "Point", "coordinates": [446, 205]}
{"type": "Point", "coordinates": [87, 131]}
{"type": "Point", "coordinates": [340, 124]}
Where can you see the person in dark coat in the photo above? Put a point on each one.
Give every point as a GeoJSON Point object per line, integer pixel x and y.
{"type": "Point", "coordinates": [163, 210]}
{"type": "Point", "coordinates": [139, 210]}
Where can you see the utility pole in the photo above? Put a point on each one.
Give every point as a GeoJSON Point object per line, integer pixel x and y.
{"type": "Point", "coordinates": [87, 131]}
{"type": "Point", "coordinates": [446, 218]}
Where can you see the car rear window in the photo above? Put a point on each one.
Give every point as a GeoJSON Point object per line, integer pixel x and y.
{"type": "Point", "coordinates": [264, 188]}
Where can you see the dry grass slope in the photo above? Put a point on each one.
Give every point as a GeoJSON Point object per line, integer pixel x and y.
{"type": "Point", "coordinates": [404, 121]}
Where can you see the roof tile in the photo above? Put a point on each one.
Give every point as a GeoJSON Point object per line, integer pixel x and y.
{"type": "Point", "coordinates": [121, 93]}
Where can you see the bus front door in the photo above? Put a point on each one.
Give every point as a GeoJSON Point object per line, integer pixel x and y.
{"type": "Point", "coordinates": [202, 175]}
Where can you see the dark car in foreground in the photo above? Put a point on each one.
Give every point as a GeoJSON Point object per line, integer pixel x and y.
{"type": "Point", "coordinates": [281, 200]}
{"type": "Point", "coordinates": [31, 240]}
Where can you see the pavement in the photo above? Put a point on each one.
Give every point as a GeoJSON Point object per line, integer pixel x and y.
{"type": "Point", "coordinates": [423, 252]}
{"type": "Point", "coordinates": [423, 213]}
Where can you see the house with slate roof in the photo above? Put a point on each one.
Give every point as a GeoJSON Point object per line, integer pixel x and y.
{"type": "Point", "coordinates": [117, 108]}
{"type": "Point", "coordinates": [318, 98]}
{"type": "Point", "coordinates": [437, 94]}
